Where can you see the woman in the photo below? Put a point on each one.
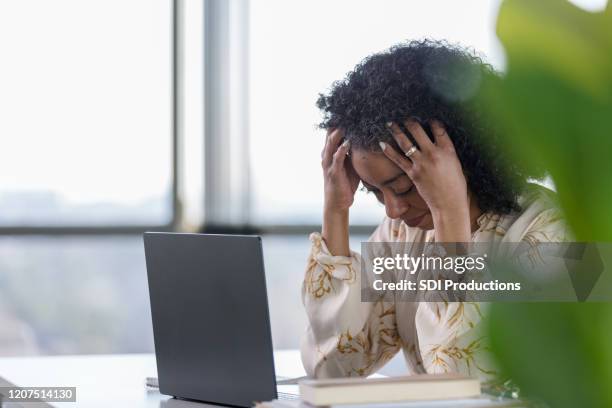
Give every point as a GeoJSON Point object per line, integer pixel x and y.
{"type": "Point", "coordinates": [406, 125]}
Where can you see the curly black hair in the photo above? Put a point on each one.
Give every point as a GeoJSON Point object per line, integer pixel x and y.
{"type": "Point", "coordinates": [427, 80]}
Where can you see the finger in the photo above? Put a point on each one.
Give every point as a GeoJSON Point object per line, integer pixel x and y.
{"type": "Point", "coordinates": [325, 154]}
{"type": "Point", "coordinates": [340, 155]}
{"type": "Point", "coordinates": [396, 157]}
{"type": "Point", "coordinates": [331, 146]}
{"type": "Point", "coordinates": [416, 130]}
{"type": "Point", "coordinates": [402, 140]}
{"type": "Point", "coordinates": [440, 135]}
{"type": "Point", "coordinates": [329, 131]}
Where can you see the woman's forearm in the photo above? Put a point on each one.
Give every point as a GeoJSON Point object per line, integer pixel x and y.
{"type": "Point", "coordinates": [335, 231]}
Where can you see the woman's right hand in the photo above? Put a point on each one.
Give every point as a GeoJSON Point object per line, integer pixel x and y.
{"type": "Point", "coordinates": [339, 177]}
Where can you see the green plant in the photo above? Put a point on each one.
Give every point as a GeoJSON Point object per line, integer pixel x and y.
{"type": "Point", "coordinates": [555, 100]}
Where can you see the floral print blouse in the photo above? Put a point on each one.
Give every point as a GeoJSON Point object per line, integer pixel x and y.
{"type": "Point", "coordinates": [347, 337]}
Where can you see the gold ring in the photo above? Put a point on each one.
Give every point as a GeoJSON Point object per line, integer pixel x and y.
{"type": "Point", "coordinates": [411, 151]}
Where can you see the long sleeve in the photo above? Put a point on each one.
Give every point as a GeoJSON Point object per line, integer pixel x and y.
{"type": "Point", "coordinates": [345, 337]}
{"type": "Point", "coordinates": [449, 334]}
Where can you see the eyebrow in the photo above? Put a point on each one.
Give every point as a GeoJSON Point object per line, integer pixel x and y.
{"type": "Point", "coordinates": [390, 181]}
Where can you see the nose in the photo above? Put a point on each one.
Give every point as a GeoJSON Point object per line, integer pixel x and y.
{"type": "Point", "coordinates": [394, 206]}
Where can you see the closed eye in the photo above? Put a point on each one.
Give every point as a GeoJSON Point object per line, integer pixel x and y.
{"type": "Point", "coordinates": [403, 193]}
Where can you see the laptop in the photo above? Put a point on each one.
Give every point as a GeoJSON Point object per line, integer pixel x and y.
{"type": "Point", "coordinates": [211, 324]}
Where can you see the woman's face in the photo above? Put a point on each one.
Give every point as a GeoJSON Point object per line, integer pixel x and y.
{"type": "Point", "coordinates": [392, 187]}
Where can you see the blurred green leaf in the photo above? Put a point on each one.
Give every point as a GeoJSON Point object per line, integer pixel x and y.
{"type": "Point", "coordinates": [559, 352]}
{"type": "Point", "coordinates": [555, 101]}
{"type": "Point", "coordinates": [555, 104]}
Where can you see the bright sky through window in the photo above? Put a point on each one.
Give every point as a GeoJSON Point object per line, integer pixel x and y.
{"type": "Point", "coordinates": [298, 48]}
{"type": "Point", "coordinates": [86, 109]}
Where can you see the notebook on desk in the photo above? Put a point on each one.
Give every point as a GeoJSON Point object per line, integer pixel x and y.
{"type": "Point", "coordinates": [355, 390]}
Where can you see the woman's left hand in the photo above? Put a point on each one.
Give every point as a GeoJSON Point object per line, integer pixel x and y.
{"type": "Point", "coordinates": [435, 170]}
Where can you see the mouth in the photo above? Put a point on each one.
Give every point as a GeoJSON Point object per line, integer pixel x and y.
{"type": "Point", "coordinates": [413, 222]}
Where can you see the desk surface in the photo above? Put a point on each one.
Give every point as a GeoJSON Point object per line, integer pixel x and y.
{"type": "Point", "coordinates": [119, 381]}
{"type": "Point", "coordinates": [111, 380]}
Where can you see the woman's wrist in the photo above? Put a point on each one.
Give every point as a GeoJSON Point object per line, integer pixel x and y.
{"type": "Point", "coordinates": [335, 230]}
{"type": "Point", "coordinates": [451, 206]}
{"type": "Point", "coordinates": [452, 225]}
{"type": "Point", "coordinates": [334, 211]}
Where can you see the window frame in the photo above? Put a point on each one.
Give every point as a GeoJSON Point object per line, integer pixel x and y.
{"type": "Point", "coordinates": [228, 187]}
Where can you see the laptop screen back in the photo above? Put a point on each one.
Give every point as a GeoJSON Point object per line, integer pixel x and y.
{"type": "Point", "coordinates": [210, 315]}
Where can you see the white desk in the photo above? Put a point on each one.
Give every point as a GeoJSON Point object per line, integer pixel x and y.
{"type": "Point", "coordinates": [111, 380]}
{"type": "Point", "coordinates": [119, 381]}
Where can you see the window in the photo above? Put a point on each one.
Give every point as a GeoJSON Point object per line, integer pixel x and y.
{"type": "Point", "coordinates": [87, 142]}
{"type": "Point", "coordinates": [297, 49]}
{"type": "Point", "coordinates": [87, 125]}
{"type": "Point", "coordinates": [86, 108]}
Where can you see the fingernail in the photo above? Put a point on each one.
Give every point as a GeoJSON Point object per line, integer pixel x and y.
{"type": "Point", "coordinates": [346, 143]}
{"type": "Point", "coordinates": [382, 145]}
{"type": "Point", "coordinates": [388, 124]}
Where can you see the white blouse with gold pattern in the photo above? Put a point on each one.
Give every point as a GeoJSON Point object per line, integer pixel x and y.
{"type": "Point", "coordinates": [348, 337]}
